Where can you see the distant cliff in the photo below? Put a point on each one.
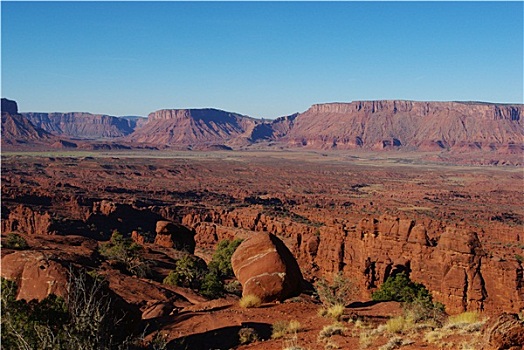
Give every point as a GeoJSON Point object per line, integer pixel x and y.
{"type": "Point", "coordinates": [16, 129]}
{"type": "Point", "coordinates": [82, 125]}
{"type": "Point", "coordinates": [408, 125]}
{"type": "Point", "coordinates": [193, 127]}
{"type": "Point", "coordinates": [366, 125]}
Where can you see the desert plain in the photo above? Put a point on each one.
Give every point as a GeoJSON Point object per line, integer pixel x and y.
{"type": "Point", "coordinates": [457, 229]}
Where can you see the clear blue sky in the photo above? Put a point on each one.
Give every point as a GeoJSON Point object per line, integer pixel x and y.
{"type": "Point", "coordinates": [263, 59]}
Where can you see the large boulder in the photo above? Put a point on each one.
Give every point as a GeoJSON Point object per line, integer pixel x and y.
{"type": "Point", "coordinates": [266, 268]}
{"type": "Point", "coordinates": [171, 235]}
{"type": "Point", "coordinates": [505, 332]}
{"type": "Point", "coordinates": [37, 273]}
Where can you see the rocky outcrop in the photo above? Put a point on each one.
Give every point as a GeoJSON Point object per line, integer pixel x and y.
{"type": "Point", "coordinates": [266, 268]}
{"type": "Point", "coordinates": [187, 127]}
{"type": "Point", "coordinates": [410, 125]}
{"type": "Point", "coordinates": [506, 332]}
{"type": "Point", "coordinates": [16, 129]}
{"type": "Point", "coordinates": [171, 235]}
{"type": "Point", "coordinates": [9, 106]}
{"type": "Point", "coordinates": [26, 220]}
{"type": "Point", "coordinates": [371, 250]}
{"type": "Point", "coordinates": [82, 125]}
{"type": "Point", "coordinates": [37, 273]}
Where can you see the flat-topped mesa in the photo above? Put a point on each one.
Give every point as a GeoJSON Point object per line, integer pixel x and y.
{"type": "Point", "coordinates": [207, 114]}
{"type": "Point", "coordinates": [9, 106]}
{"type": "Point", "coordinates": [193, 127]}
{"type": "Point", "coordinates": [421, 108]}
{"type": "Point", "coordinates": [410, 125]}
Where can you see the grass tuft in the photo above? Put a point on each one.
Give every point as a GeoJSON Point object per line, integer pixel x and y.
{"type": "Point", "coordinates": [250, 301]}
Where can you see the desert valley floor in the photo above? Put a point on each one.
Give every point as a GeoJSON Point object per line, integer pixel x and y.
{"type": "Point", "coordinates": [457, 229]}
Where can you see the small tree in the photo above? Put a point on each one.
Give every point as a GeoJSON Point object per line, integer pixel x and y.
{"type": "Point", "coordinates": [15, 241]}
{"type": "Point", "coordinates": [221, 262]}
{"type": "Point", "coordinates": [188, 272]}
{"type": "Point", "coordinates": [125, 252]}
{"type": "Point", "coordinates": [401, 288]}
{"type": "Point", "coordinates": [418, 301]}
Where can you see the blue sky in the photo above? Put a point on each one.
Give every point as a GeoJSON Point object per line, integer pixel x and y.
{"type": "Point", "coordinates": [263, 59]}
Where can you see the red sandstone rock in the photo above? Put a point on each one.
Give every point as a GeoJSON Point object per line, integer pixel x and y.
{"type": "Point", "coordinates": [506, 332]}
{"type": "Point", "coordinates": [266, 268]}
{"type": "Point", "coordinates": [171, 235]}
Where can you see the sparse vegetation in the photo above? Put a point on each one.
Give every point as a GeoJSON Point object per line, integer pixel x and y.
{"type": "Point", "coordinates": [85, 319]}
{"type": "Point", "coordinates": [282, 328]}
{"type": "Point", "coordinates": [15, 241]}
{"type": "Point", "coordinates": [125, 253]}
{"type": "Point", "coordinates": [328, 331]}
{"type": "Point", "coordinates": [338, 292]}
{"type": "Point", "coordinates": [220, 264]}
{"type": "Point", "coordinates": [400, 324]}
{"type": "Point", "coordinates": [247, 335]}
{"type": "Point", "coordinates": [250, 301]}
{"type": "Point", "coordinates": [334, 311]}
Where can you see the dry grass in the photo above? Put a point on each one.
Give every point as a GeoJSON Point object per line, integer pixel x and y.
{"type": "Point", "coordinates": [328, 331]}
{"type": "Point", "coordinates": [334, 312]}
{"type": "Point", "coordinates": [283, 328]}
{"type": "Point", "coordinates": [249, 301]}
{"type": "Point", "coordinates": [399, 324]}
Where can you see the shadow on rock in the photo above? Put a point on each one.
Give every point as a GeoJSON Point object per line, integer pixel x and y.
{"type": "Point", "coordinates": [220, 338]}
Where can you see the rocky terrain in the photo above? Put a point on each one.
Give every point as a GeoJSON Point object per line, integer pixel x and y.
{"type": "Point", "coordinates": [303, 215]}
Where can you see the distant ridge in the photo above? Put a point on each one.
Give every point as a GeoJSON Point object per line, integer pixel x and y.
{"type": "Point", "coordinates": [460, 126]}
{"type": "Point", "coordinates": [83, 125]}
{"type": "Point", "coordinates": [193, 127]}
{"type": "Point", "coordinates": [401, 124]}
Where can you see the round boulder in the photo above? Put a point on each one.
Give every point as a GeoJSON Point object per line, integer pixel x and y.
{"type": "Point", "coordinates": [266, 268]}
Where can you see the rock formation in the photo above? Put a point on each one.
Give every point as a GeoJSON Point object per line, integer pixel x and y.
{"type": "Point", "coordinates": [410, 125]}
{"type": "Point", "coordinates": [187, 127]}
{"type": "Point", "coordinates": [504, 332]}
{"type": "Point", "coordinates": [266, 268]}
{"type": "Point", "coordinates": [82, 125]}
{"type": "Point", "coordinates": [16, 129]}
{"type": "Point", "coordinates": [171, 235]}
{"type": "Point", "coordinates": [375, 248]}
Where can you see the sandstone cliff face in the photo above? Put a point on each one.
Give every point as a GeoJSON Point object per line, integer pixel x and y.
{"type": "Point", "coordinates": [466, 278]}
{"type": "Point", "coordinates": [193, 126]}
{"type": "Point", "coordinates": [409, 125]}
{"type": "Point", "coordinates": [82, 125]}
{"type": "Point", "coordinates": [16, 129]}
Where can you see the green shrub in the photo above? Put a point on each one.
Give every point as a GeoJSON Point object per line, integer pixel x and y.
{"type": "Point", "coordinates": [212, 287]}
{"type": "Point", "coordinates": [15, 241]}
{"type": "Point", "coordinates": [189, 272]}
{"type": "Point", "coordinates": [125, 252]}
{"type": "Point", "coordinates": [401, 288]}
{"type": "Point", "coordinates": [220, 263]}
{"type": "Point", "coordinates": [339, 292]}
{"type": "Point", "coordinates": [418, 301]}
